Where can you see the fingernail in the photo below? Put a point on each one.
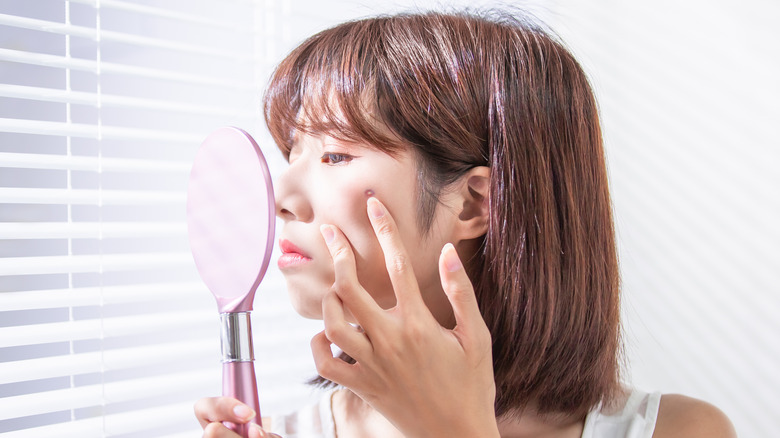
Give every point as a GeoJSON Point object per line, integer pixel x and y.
{"type": "Point", "coordinates": [375, 208]}
{"type": "Point", "coordinates": [327, 233]}
{"type": "Point", "coordinates": [451, 259]}
{"type": "Point", "coordinates": [243, 412]}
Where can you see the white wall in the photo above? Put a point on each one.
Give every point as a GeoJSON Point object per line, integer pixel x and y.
{"type": "Point", "coordinates": [688, 93]}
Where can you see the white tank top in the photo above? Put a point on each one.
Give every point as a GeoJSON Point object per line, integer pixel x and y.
{"type": "Point", "coordinates": [633, 419]}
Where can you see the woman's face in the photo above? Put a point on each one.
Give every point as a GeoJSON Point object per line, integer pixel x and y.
{"type": "Point", "coordinates": [328, 181]}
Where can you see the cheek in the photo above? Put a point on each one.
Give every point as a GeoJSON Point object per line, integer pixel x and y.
{"type": "Point", "coordinates": [347, 211]}
{"type": "Point", "coordinates": [345, 207]}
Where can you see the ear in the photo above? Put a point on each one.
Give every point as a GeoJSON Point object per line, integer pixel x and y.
{"type": "Point", "coordinates": [474, 192]}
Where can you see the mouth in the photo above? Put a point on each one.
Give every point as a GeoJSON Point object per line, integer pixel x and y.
{"type": "Point", "coordinates": [292, 256]}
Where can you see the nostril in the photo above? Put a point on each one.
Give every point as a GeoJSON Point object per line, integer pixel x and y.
{"type": "Point", "coordinates": [285, 214]}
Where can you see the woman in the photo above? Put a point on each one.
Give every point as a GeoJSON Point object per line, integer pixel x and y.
{"type": "Point", "coordinates": [446, 202]}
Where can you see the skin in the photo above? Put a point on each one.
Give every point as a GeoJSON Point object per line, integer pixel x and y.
{"type": "Point", "coordinates": [420, 327]}
{"type": "Point", "coordinates": [326, 183]}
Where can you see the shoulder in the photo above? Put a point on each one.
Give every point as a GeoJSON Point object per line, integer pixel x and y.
{"type": "Point", "coordinates": [681, 416]}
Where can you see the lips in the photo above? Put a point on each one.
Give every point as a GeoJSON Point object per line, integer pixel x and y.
{"type": "Point", "coordinates": [291, 255]}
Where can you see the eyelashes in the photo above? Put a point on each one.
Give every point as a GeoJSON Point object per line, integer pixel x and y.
{"type": "Point", "coordinates": [334, 159]}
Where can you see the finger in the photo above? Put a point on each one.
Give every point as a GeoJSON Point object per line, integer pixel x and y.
{"type": "Point", "coordinates": [218, 409]}
{"type": "Point", "coordinates": [202, 408]}
{"type": "Point", "coordinates": [460, 292]}
{"type": "Point", "coordinates": [341, 333]}
{"type": "Point", "coordinates": [329, 367]}
{"type": "Point", "coordinates": [255, 431]}
{"type": "Point", "coordinates": [396, 258]}
{"type": "Point", "coordinates": [258, 432]}
{"type": "Point", "coordinates": [359, 302]}
{"type": "Point", "coordinates": [218, 430]}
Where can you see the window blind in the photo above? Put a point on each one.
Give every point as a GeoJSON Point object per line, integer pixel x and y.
{"type": "Point", "coordinates": [105, 327]}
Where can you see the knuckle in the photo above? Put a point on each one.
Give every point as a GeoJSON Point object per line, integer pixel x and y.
{"type": "Point", "coordinates": [331, 294]}
{"type": "Point", "coordinates": [459, 283]}
{"type": "Point", "coordinates": [414, 329]}
{"type": "Point", "coordinates": [200, 408]}
{"type": "Point", "coordinates": [334, 333]}
{"type": "Point", "coordinates": [324, 368]}
{"type": "Point", "coordinates": [318, 339]}
{"type": "Point", "coordinates": [321, 358]}
{"type": "Point", "coordinates": [224, 405]}
{"type": "Point", "coordinates": [341, 285]}
{"type": "Point", "coordinates": [484, 337]}
{"type": "Point", "coordinates": [384, 227]}
{"type": "Point", "coordinates": [314, 342]}
{"type": "Point", "coordinates": [399, 263]}
{"type": "Point", "coordinates": [340, 253]}
{"type": "Point", "coordinates": [462, 295]}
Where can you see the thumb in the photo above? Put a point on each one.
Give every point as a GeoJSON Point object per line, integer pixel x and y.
{"type": "Point", "coordinates": [459, 289]}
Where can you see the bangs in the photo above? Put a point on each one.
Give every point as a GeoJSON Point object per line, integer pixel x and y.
{"type": "Point", "coordinates": [330, 85]}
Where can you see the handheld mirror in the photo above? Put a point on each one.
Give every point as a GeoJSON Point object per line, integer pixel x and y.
{"type": "Point", "coordinates": [230, 221]}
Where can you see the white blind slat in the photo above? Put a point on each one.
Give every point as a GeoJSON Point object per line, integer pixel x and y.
{"type": "Point", "coordinates": [135, 325]}
{"type": "Point", "coordinates": [97, 395]}
{"type": "Point", "coordinates": [90, 230]}
{"type": "Point", "coordinates": [108, 100]}
{"type": "Point", "coordinates": [165, 13]}
{"type": "Point", "coordinates": [35, 334]}
{"type": "Point", "coordinates": [89, 197]}
{"type": "Point", "coordinates": [23, 126]}
{"type": "Point", "coordinates": [148, 421]}
{"type": "Point", "coordinates": [91, 164]}
{"type": "Point", "coordinates": [93, 426]}
{"type": "Point", "coordinates": [92, 263]}
{"type": "Point", "coordinates": [65, 62]}
{"type": "Point", "coordinates": [124, 423]}
{"type": "Point", "coordinates": [50, 401]}
{"type": "Point", "coordinates": [112, 360]}
{"type": "Point", "coordinates": [106, 360]}
{"type": "Point", "coordinates": [95, 296]}
{"type": "Point", "coordinates": [105, 35]}
{"type": "Point", "coordinates": [136, 293]}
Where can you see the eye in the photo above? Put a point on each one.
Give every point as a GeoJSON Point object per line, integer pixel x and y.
{"type": "Point", "coordinates": [329, 158]}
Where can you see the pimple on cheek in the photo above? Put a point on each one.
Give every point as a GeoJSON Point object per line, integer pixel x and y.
{"type": "Point", "coordinates": [345, 207]}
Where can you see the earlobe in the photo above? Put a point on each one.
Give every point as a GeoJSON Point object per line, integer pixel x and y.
{"type": "Point", "coordinates": [475, 193]}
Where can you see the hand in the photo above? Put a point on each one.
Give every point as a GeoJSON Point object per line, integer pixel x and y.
{"type": "Point", "coordinates": [427, 380]}
{"type": "Point", "coordinates": [212, 411]}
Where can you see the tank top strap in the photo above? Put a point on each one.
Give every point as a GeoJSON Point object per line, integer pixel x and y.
{"type": "Point", "coordinates": [636, 419]}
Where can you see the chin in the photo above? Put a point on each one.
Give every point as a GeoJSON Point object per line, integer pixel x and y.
{"type": "Point", "coordinates": [305, 304]}
{"type": "Point", "coordinates": [308, 312]}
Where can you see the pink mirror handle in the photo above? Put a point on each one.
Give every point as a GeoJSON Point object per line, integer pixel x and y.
{"type": "Point", "coordinates": [238, 367]}
{"type": "Point", "coordinates": [239, 382]}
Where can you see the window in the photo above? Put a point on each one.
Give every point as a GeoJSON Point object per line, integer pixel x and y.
{"type": "Point", "coordinates": [105, 327]}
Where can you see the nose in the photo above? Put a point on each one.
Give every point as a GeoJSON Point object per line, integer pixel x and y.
{"type": "Point", "coordinates": [292, 203]}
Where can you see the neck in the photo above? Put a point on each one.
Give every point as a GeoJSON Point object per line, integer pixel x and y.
{"type": "Point", "coordinates": [529, 423]}
{"type": "Point", "coordinates": [355, 418]}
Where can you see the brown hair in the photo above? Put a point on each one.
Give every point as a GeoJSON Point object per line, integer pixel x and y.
{"type": "Point", "coordinates": [464, 90]}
